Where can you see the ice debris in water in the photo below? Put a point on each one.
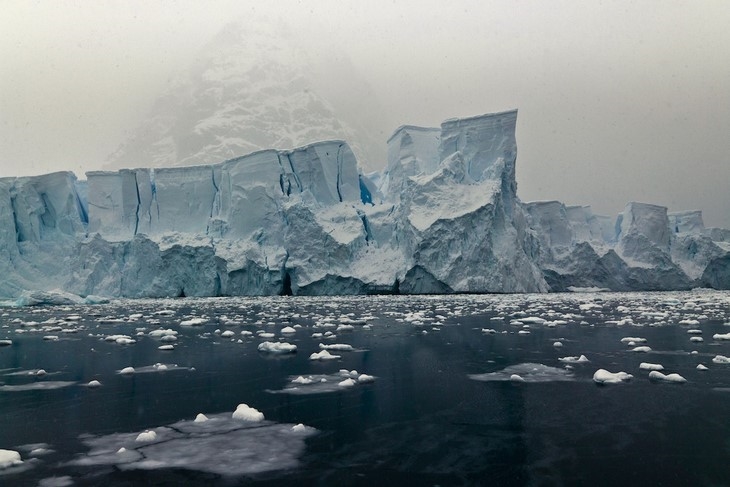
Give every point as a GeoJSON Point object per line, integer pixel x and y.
{"type": "Point", "coordinates": [347, 383]}
{"type": "Point", "coordinates": [528, 372]}
{"type": "Point", "coordinates": [277, 347]}
{"type": "Point", "coordinates": [650, 366]}
{"type": "Point", "coordinates": [721, 359]}
{"type": "Point", "coordinates": [642, 349]}
{"type": "Point", "coordinates": [318, 384]}
{"type": "Point", "coordinates": [674, 378]}
{"type": "Point", "coordinates": [194, 322]}
{"type": "Point", "coordinates": [5, 343]}
{"type": "Point", "coordinates": [323, 355]}
{"type": "Point", "coordinates": [603, 376]}
{"type": "Point", "coordinates": [127, 371]}
{"type": "Point", "coordinates": [245, 412]}
{"type": "Point", "coordinates": [201, 418]}
{"type": "Point", "coordinates": [146, 436]}
{"type": "Point", "coordinates": [223, 446]}
{"type": "Point", "coordinates": [574, 360]}
{"type": "Point", "coordinates": [340, 347]}
{"type": "Point", "coordinates": [93, 384]}
{"type": "Point", "coordinates": [721, 336]}
{"type": "Point", "coordinates": [701, 367]}
{"type": "Point", "coordinates": [287, 330]}
{"type": "Point", "coordinates": [9, 458]}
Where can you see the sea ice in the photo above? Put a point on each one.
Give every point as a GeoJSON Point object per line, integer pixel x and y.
{"type": "Point", "coordinates": [323, 355]}
{"type": "Point", "coordinates": [245, 412]}
{"type": "Point", "coordinates": [277, 347]}
{"type": "Point", "coordinates": [721, 359]}
{"type": "Point", "coordinates": [602, 376]}
{"type": "Point", "coordinates": [201, 418]}
{"type": "Point", "coordinates": [658, 376]}
{"type": "Point", "coordinates": [93, 384]}
{"type": "Point", "coordinates": [529, 372]}
{"type": "Point", "coordinates": [146, 436]}
{"type": "Point", "coordinates": [574, 360]}
{"type": "Point", "coordinates": [650, 366]}
{"type": "Point", "coordinates": [194, 322]}
{"type": "Point", "coordinates": [340, 347]}
{"type": "Point", "coordinates": [9, 458]}
{"type": "Point", "coordinates": [721, 336]}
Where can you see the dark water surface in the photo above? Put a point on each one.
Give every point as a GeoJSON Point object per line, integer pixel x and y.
{"type": "Point", "coordinates": [425, 420]}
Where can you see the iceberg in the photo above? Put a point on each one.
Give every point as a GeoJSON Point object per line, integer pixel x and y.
{"type": "Point", "coordinates": [443, 217]}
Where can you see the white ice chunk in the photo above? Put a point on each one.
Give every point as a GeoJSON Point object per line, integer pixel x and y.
{"type": "Point", "coordinates": [323, 355]}
{"type": "Point", "coordinates": [201, 418]}
{"type": "Point", "coordinates": [650, 366]}
{"type": "Point", "coordinates": [602, 376]}
{"type": "Point", "coordinates": [658, 376]}
{"type": "Point", "coordinates": [246, 413]}
{"type": "Point", "coordinates": [574, 360]}
{"type": "Point", "coordinates": [146, 436]}
{"type": "Point", "coordinates": [9, 458]}
{"type": "Point", "coordinates": [277, 347]}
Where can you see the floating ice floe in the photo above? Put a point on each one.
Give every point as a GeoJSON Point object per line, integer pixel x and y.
{"type": "Point", "coordinates": [146, 436]}
{"type": "Point", "coordinates": [127, 371]}
{"type": "Point", "coordinates": [557, 344]}
{"type": "Point", "coordinates": [528, 372]}
{"type": "Point", "coordinates": [223, 445]}
{"type": "Point", "coordinates": [629, 340]}
{"type": "Point", "coordinates": [9, 458]}
{"type": "Point", "coordinates": [93, 384]}
{"type": "Point", "coordinates": [244, 412]}
{"type": "Point", "coordinates": [696, 339]}
{"type": "Point", "coordinates": [642, 349]}
{"type": "Point", "coordinates": [227, 334]}
{"type": "Point", "coordinates": [603, 376]}
{"type": "Point", "coordinates": [200, 418]}
{"type": "Point", "coordinates": [650, 366]}
{"type": "Point", "coordinates": [323, 355]}
{"type": "Point", "coordinates": [158, 367]}
{"type": "Point", "coordinates": [37, 386]}
{"type": "Point", "coordinates": [721, 336]}
{"type": "Point", "coordinates": [166, 347]}
{"type": "Point", "coordinates": [5, 343]}
{"type": "Point", "coordinates": [659, 377]}
{"type": "Point", "coordinates": [489, 331]}
{"type": "Point", "coordinates": [574, 360]}
{"type": "Point", "coordinates": [288, 330]}
{"type": "Point", "coordinates": [701, 367]}
{"type": "Point", "coordinates": [277, 347]}
{"type": "Point", "coordinates": [339, 347]}
{"type": "Point", "coordinates": [721, 359]}
{"type": "Point", "coordinates": [320, 383]}
{"type": "Point", "coordinates": [194, 322]}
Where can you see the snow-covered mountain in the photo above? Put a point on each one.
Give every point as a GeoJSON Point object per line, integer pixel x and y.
{"type": "Point", "coordinates": [445, 218]}
{"type": "Point", "coordinates": [250, 88]}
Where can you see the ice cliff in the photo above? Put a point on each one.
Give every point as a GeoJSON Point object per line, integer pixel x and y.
{"type": "Point", "coordinates": [443, 217]}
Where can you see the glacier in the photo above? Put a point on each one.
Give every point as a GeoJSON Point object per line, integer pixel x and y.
{"type": "Point", "coordinates": [443, 217]}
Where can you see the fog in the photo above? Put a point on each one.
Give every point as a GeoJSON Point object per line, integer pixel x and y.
{"type": "Point", "coordinates": [618, 101]}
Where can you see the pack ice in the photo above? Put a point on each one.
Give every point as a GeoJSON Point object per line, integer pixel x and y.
{"type": "Point", "coordinates": [443, 217]}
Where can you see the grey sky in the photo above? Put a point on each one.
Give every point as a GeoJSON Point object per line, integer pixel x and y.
{"type": "Point", "coordinates": [618, 100]}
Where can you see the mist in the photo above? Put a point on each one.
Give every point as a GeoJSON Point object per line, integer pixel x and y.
{"type": "Point", "coordinates": [618, 102]}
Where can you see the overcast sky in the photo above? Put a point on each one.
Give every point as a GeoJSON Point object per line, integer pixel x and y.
{"type": "Point", "coordinates": [618, 101]}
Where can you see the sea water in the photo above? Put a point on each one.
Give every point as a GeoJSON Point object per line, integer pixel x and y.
{"type": "Point", "coordinates": [416, 390]}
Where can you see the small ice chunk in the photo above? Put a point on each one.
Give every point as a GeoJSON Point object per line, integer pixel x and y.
{"type": "Point", "coordinates": [297, 428]}
{"type": "Point", "coordinates": [9, 458]}
{"type": "Point", "coordinates": [194, 322]}
{"type": "Point", "coordinates": [365, 378]}
{"type": "Point", "coordinates": [721, 359]}
{"type": "Point", "coordinates": [146, 436]}
{"type": "Point", "coordinates": [523, 332]}
{"type": "Point", "coordinates": [302, 380]}
{"type": "Point", "coordinates": [159, 366]}
{"type": "Point", "coordinates": [721, 336]}
{"type": "Point", "coordinates": [227, 334]}
{"type": "Point", "coordinates": [40, 372]}
{"type": "Point", "coordinates": [558, 344]}
{"type": "Point", "coordinates": [340, 347]}
{"type": "Point", "coordinates": [323, 355]}
{"type": "Point", "coordinates": [277, 347]}
{"type": "Point", "coordinates": [643, 349]}
{"type": "Point", "coordinates": [489, 331]}
{"type": "Point", "coordinates": [127, 371]}
{"type": "Point", "coordinates": [166, 347]}
{"type": "Point", "coordinates": [245, 412]}
{"type": "Point", "coordinates": [658, 376]}
{"type": "Point", "coordinates": [603, 376]}
{"type": "Point", "coordinates": [516, 378]}
{"type": "Point", "coordinates": [650, 366]}
{"type": "Point", "coordinates": [694, 331]}
{"type": "Point", "coordinates": [200, 418]}
{"type": "Point", "coordinates": [574, 360]}
{"type": "Point", "coordinates": [633, 339]}
{"type": "Point", "coordinates": [345, 328]}
{"type": "Point", "coordinates": [5, 343]}
{"type": "Point", "coordinates": [93, 384]}
{"type": "Point", "coordinates": [701, 367]}
{"type": "Point", "coordinates": [696, 339]}
{"type": "Point", "coordinates": [287, 330]}
{"type": "Point", "coordinates": [347, 383]}
{"type": "Point", "coordinates": [51, 338]}
{"type": "Point", "coordinates": [265, 334]}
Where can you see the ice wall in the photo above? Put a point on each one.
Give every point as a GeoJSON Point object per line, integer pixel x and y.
{"type": "Point", "coordinates": [304, 221]}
